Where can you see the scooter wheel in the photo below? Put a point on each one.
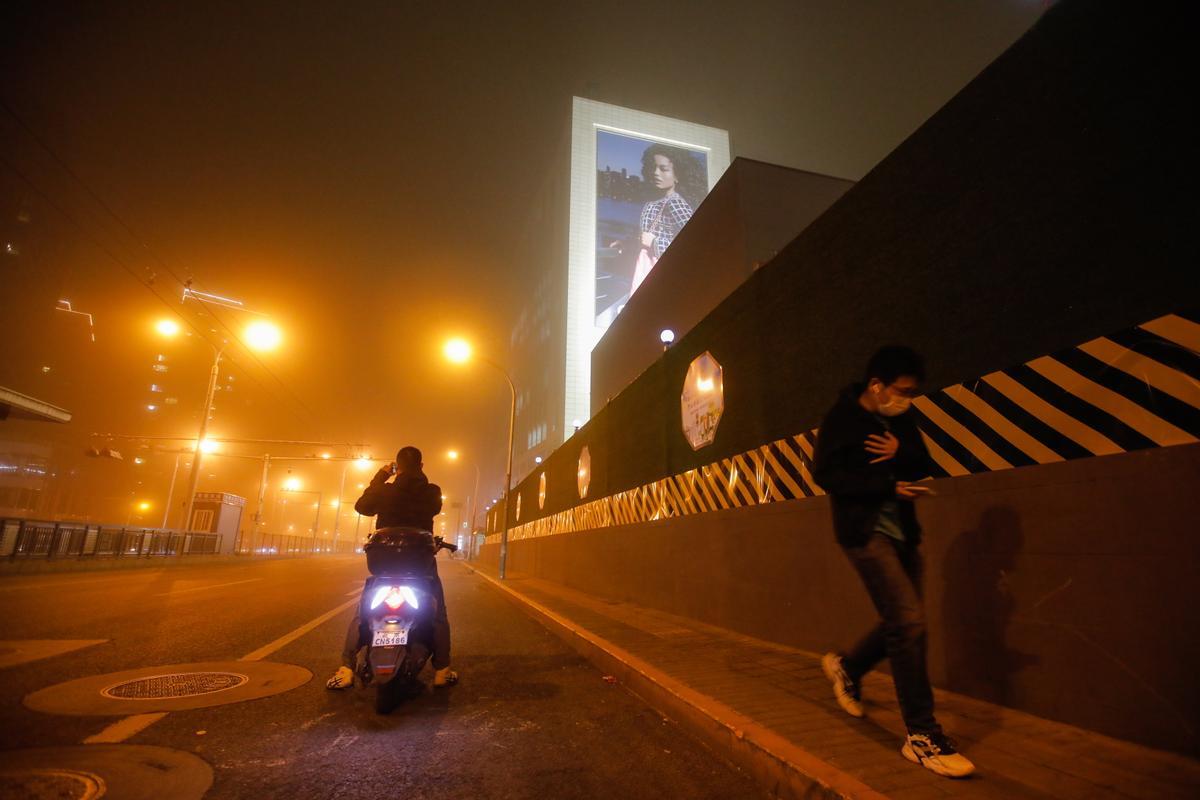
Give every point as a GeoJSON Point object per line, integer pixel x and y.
{"type": "Point", "coordinates": [388, 696]}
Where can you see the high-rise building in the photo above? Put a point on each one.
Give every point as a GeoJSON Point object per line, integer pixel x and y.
{"type": "Point", "coordinates": [629, 183]}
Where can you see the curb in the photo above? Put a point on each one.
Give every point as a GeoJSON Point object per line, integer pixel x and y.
{"type": "Point", "coordinates": [779, 766]}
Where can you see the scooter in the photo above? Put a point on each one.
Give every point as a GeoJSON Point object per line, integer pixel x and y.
{"type": "Point", "coordinates": [397, 609]}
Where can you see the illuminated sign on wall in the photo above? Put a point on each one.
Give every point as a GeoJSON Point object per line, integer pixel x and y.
{"type": "Point", "coordinates": [702, 401]}
{"type": "Point", "coordinates": [636, 180]}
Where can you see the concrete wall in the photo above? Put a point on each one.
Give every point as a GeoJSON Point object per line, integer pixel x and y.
{"type": "Point", "coordinates": [1066, 590]}
{"type": "Point", "coordinates": [1038, 209]}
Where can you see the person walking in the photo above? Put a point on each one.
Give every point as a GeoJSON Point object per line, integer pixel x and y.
{"type": "Point", "coordinates": [868, 458]}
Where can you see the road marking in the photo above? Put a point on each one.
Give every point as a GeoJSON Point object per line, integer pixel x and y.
{"type": "Point", "coordinates": [20, 651]}
{"type": "Point", "coordinates": [288, 638]}
{"type": "Point", "coordinates": [122, 729]}
{"type": "Point", "coordinates": [210, 586]}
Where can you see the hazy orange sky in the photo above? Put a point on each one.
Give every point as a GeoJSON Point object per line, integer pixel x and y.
{"type": "Point", "coordinates": [363, 174]}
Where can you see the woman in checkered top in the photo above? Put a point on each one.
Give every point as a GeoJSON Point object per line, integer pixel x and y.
{"type": "Point", "coordinates": [676, 174]}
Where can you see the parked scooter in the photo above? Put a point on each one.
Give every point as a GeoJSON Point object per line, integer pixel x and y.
{"type": "Point", "coordinates": [398, 608]}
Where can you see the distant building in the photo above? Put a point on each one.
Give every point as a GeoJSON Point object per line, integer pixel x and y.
{"type": "Point", "coordinates": [593, 314]}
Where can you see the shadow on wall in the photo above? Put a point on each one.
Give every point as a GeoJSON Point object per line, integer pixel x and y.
{"type": "Point", "coordinates": [977, 605]}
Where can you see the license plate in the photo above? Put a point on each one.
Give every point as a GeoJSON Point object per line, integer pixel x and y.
{"type": "Point", "coordinates": [390, 638]}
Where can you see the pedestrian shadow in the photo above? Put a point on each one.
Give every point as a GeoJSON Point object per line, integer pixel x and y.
{"type": "Point", "coordinates": [977, 606]}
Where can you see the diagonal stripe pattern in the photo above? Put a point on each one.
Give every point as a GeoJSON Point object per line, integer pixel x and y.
{"type": "Point", "coordinates": [1133, 389]}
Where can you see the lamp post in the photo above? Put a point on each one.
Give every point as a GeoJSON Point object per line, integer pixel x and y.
{"type": "Point", "coordinates": [259, 335]}
{"type": "Point", "coordinates": [453, 456]}
{"type": "Point", "coordinates": [362, 463]}
{"type": "Point", "coordinates": [459, 351]}
{"type": "Point", "coordinates": [171, 491]}
{"type": "Point", "coordinates": [194, 480]}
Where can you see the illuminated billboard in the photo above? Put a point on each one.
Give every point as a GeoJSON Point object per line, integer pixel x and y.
{"type": "Point", "coordinates": [636, 180]}
{"type": "Point", "coordinates": [646, 191]}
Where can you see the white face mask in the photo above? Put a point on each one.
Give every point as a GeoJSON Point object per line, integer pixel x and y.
{"type": "Point", "coordinates": [894, 407]}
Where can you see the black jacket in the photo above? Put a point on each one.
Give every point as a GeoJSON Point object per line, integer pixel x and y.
{"type": "Point", "coordinates": [410, 501]}
{"type": "Point", "coordinates": [856, 487]}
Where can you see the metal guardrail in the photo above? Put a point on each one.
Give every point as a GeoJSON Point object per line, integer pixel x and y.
{"type": "Point", "coordinates": [268, 544]}
{"type": "Point", "coordinates": [28, 538]}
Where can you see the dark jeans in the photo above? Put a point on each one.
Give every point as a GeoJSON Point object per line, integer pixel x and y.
{"type": "Point", "coordinates": [892, 571]}
{"type": "Point", "coordinates": [356, 634]}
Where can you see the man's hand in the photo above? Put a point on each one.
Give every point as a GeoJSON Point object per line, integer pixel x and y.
{"type": "Point", "coordinates": [907, 490]}
{"type": "Point", "coordinates": [884, 446]}
{"type": "Point", "coordinates": [647, 239]}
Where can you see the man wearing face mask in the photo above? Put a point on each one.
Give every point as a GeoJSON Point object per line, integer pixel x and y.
{"type": "Point", "coordinates": [869, 455]}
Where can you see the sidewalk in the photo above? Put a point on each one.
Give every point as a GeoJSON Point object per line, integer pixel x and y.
{"type": "Point", "coordinates": [770, 710]}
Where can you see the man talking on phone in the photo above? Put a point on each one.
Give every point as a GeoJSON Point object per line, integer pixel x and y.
{"type": "Point", "coordinates": [869, 455]}
{"type": "Point", "coordinates": [401, 496]}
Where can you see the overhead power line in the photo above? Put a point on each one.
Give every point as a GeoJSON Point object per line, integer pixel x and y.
{"type": "Point", "coordinates": [141, 243]}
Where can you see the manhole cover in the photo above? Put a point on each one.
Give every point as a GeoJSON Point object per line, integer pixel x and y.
{"type": "Point", "coordinates": [51, 784]}
{"type": "Point", "coordinates": [179, 684]}
{"type": "Point", "coordinates": [167, 687]}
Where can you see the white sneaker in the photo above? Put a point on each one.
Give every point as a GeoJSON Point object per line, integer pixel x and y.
{"type": "Point", "coordinates": [444, 677]}
{"type": "Point", "coordinates": [342, 679]}
{"type": "Point", "coordinates": [844, 689]}
{"type": "Point", "coordinates": [936, 753]}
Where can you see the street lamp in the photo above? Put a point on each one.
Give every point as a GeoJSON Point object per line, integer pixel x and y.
{"type": "Point", "coordinates": [260, 335]}
{"type": "Point", "coordinates": [362, 463]}
{"type": "Point", "coordinates": [453, 456]}
{"type": "Point", "coordinates": [459, 352]}
{"type": "Point", "coordinates": [167, 327]}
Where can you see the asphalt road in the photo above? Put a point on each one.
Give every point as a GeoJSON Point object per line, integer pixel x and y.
{"type": "Point", "coordinates": [530, 718]}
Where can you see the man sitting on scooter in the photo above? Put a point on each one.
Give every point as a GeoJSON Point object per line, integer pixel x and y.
{"type": "Point", "coordinates": [408, 501]}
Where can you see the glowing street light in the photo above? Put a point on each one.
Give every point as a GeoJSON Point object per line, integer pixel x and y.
{"type": "Point", "coordinates": [457, 350]}
{"type": "Point", "coordinates": [453, 455]}
{"type": "Point", "coordinates": [262, 335]}
{"type": "Point", "coordinates": [208, 446]}
{"type": "Point", "coordinates": [144, 506]}
{"type": "Point", "coordinates": [167, 327]}
{"type": "Point", "coordinates": [292, 484]}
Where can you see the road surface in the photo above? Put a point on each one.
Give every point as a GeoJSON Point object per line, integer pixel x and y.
{"type": "Point", "coordinates": [530, 718]}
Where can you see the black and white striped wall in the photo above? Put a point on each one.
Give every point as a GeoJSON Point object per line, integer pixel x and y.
{"type": "Point", "coordinates": [1132, 389]}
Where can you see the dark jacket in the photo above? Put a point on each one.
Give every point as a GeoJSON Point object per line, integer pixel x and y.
{"type": "Point", "coordinates": [857, 488]}
{"type": "Point", "coordinates": [410, 500]}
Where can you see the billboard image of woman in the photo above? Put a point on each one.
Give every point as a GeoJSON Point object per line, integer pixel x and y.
{"type": "Point", "coordinates": [646, 192]}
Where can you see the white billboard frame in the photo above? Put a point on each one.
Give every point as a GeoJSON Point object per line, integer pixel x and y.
{"type": "Point", "coordinates": [588, 117]}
